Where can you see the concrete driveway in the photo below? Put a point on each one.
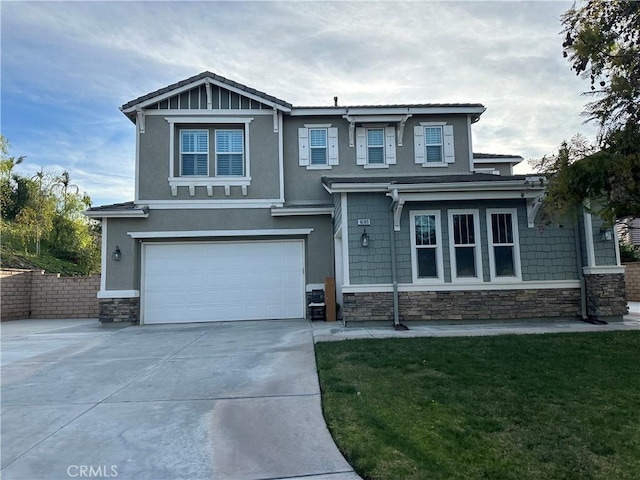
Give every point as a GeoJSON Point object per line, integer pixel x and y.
{"type": "Point", "coordinates": [216, 401]}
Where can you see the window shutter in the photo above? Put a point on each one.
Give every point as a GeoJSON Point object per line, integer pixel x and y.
{"type": "Point", "coordinates": [390, 144]}
{"type": "Point", "coordinates": [361, 146]}
{"type": "Point", "coordinates": [418, 143]}
{"type": "Point", "coordinates": [448, 144]}
{"type": "Point", "coordinates": [333, 146]}
{"type": "Point", "coordinates": [303, 147]}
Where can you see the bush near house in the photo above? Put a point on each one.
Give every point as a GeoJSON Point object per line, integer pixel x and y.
{"type": "Point", "coordinates": [507, 407]}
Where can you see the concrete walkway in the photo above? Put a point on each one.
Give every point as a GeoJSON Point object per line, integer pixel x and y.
{"type": "Point", "coordinates": [335, 331]}
{"type": "Point", "coordinates": [198, 401]}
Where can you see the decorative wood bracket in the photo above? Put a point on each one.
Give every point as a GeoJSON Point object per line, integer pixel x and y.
{"type": "Point", "coordinates": [533, 205]}
{"type": "Point", "coordinates": [401, 128]}
{"type": "Point", "coordinates": [207, 86]}
{"type": "Point", "coordinates": [140, 119]}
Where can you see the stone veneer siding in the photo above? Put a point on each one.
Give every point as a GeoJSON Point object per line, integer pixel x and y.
{"type": "Point", "coordinates": [463, 305]}
{"type": "Point", "coordinates": [119, 310]}
{"type": "Point", "coordinates": [606, 295]}
{"type": "Point", "coordinates": [632, 281]}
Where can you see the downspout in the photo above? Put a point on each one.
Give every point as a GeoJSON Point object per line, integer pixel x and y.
{"type": "Point", "coordinates": [583, 288]}
{"type": "Point", "coordinates": [583, 292]}
{"type": "Point", "coordinates": [394, 274]}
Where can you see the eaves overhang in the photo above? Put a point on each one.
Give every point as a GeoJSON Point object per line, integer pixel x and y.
{"type": "Point", "coordinates": [118, 210]}
{"type": "Point", "coordinates": [469, 188]}
{"type": "Point", "coordinates": [376, 110]}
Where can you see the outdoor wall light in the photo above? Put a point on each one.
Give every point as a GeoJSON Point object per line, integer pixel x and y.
{"type": "Point", "coordinates": [364, 239]}
{"type": "Point", "coordinates": [607, 235]}
{"type": "Point", "coordinates": [116, 255]}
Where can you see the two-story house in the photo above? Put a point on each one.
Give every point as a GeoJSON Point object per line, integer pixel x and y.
{"type": "Point", "coordinates": [245, 203]}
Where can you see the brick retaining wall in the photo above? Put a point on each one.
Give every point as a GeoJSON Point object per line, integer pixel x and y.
{"type": "Point", "coordinates": [632, 280]}
{"type": "Point", "coordinates": [34, 294]}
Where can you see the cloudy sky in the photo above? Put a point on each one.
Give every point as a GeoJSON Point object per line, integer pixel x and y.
{"type": "Point", "coordinates": [67, 67]}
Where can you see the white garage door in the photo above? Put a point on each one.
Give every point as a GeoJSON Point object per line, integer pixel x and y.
{"type": "Point", "coordinates": [210, 282]}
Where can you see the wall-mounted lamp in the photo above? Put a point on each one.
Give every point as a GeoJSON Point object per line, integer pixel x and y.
{"type": "Point", "coordinates": [607, 235]}
{"type": "Point", "coordinates": [116, 255]}
{"type": "Point", "coordinates": [364, 239]}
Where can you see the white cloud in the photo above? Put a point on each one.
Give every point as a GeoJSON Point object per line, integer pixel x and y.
{"type": "Point", "coordinates": [79, 61]}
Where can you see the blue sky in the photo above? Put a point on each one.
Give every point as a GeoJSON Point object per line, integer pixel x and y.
{"type": "Point", "coordinates": [67, 67]}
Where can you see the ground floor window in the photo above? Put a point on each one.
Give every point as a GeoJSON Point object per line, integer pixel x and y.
{"type": "Point", "coordinates": [464, 242]}
{"type": "Point", "coordinates": [426, 249]}
{"type": "Point", "coordinates": [504, 254]}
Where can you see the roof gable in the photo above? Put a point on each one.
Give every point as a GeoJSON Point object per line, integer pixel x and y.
{"type": "Point", "coordinates": [191, 94]}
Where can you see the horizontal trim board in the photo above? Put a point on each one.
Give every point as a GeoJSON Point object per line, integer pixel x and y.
{"type": "Point", "coordinates": [288, 212]}
{"type": "Point", "coordinates": [211, 204]}
{"type": "Point", "coordinates": [116, 214]}
{"type": "Point", "coordinates": [208, 119]}
{"type": "Point", "coordinates": [118, 294]}
{"type": "Point", "coordinates": [222, 233]}
{"type": "Point", "coordinates": [603, 270]}
{"type": "Point", "coordinates": [446, 287]}
{"type": "Point", "coordinates": [208, 113]}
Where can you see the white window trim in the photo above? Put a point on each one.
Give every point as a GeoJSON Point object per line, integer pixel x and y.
{"type": "Point", "coordinates": [245, 147]}
{"type": "Point", "coordinates": [304, 146]}
{"type": "Point", "coordinates": [479, 278]}
{"type": "Point", "coordinates": [420, 146]}
{"type": "Point", "coordinates": [326, 148]}
{"type": "Point", "coordinates": [516, 246]}
{"type": "Point", "coordinates": [189, 153]}
{"type": "Point", "coordinates": [191, 182]}
{"type": "Point", "coordinates": [426, 156]}
{"type": "Point", "coordinates": [414, 256]}
{"type": "Point", "coordinates": [382, 145]}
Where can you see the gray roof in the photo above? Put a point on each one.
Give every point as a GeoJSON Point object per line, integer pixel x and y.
{"type": "Point", "coordinates": [114, 207]}
{"type": "Point", "coordinates": [202, 76]}
{"type": "Point", "coordinates": [400, 105]}
{"type": "Point", "coordinates": [419, 179]}
{"type": "Point", "coordinates": [480, 156]}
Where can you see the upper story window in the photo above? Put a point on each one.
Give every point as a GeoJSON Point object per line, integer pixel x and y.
{"type": "Point", "coordinates": [504, 251]}
{"type": "Point", "coordinates": [375, 146]}
{"type": "Point", "coordinates": [229, 153]}
{"type": "Point", "coordinates": [194, 152]}
{"type": "Point", "coordinates": [318, 146]}
{"type": "Point", "coordinates": [464, 245]}
{"type": "Point", "coordinates": [426, 251]}
{"type": "Point", "coordinates": [433, 144]}
{"type": "Point", "coordinates": [209, 152]}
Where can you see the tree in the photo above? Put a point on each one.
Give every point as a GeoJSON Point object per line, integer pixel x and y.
{"type": "Point", "coordinates": [602, 42]}
{"type": "Point", "coordinates": [13, 189]}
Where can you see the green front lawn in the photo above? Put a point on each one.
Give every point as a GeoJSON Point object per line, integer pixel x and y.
{"type": "Point", "coordinates": [509, 407]}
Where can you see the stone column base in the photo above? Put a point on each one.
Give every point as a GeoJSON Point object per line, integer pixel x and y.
{"type": "Point", "coordinates": [606, 295]}
{"type": "Point", "coordinates": [114, 310]}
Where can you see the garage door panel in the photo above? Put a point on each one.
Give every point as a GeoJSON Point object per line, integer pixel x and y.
{"type": "Point", "coordinates": [203, 282]}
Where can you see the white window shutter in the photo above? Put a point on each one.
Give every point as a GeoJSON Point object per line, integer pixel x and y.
{"type": "Point", "coordinates": [390, 145]}
{"type": "Point", "coordinates": [418, 143]}
{"type": "Point", "coordinates": [361, 146]}
{"type": "Point", "coordinates": [333, 145]}
{"type": "Point", "coordinates": [449, 156]}
{"type": "Point", "coordinates": [303, 147]}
